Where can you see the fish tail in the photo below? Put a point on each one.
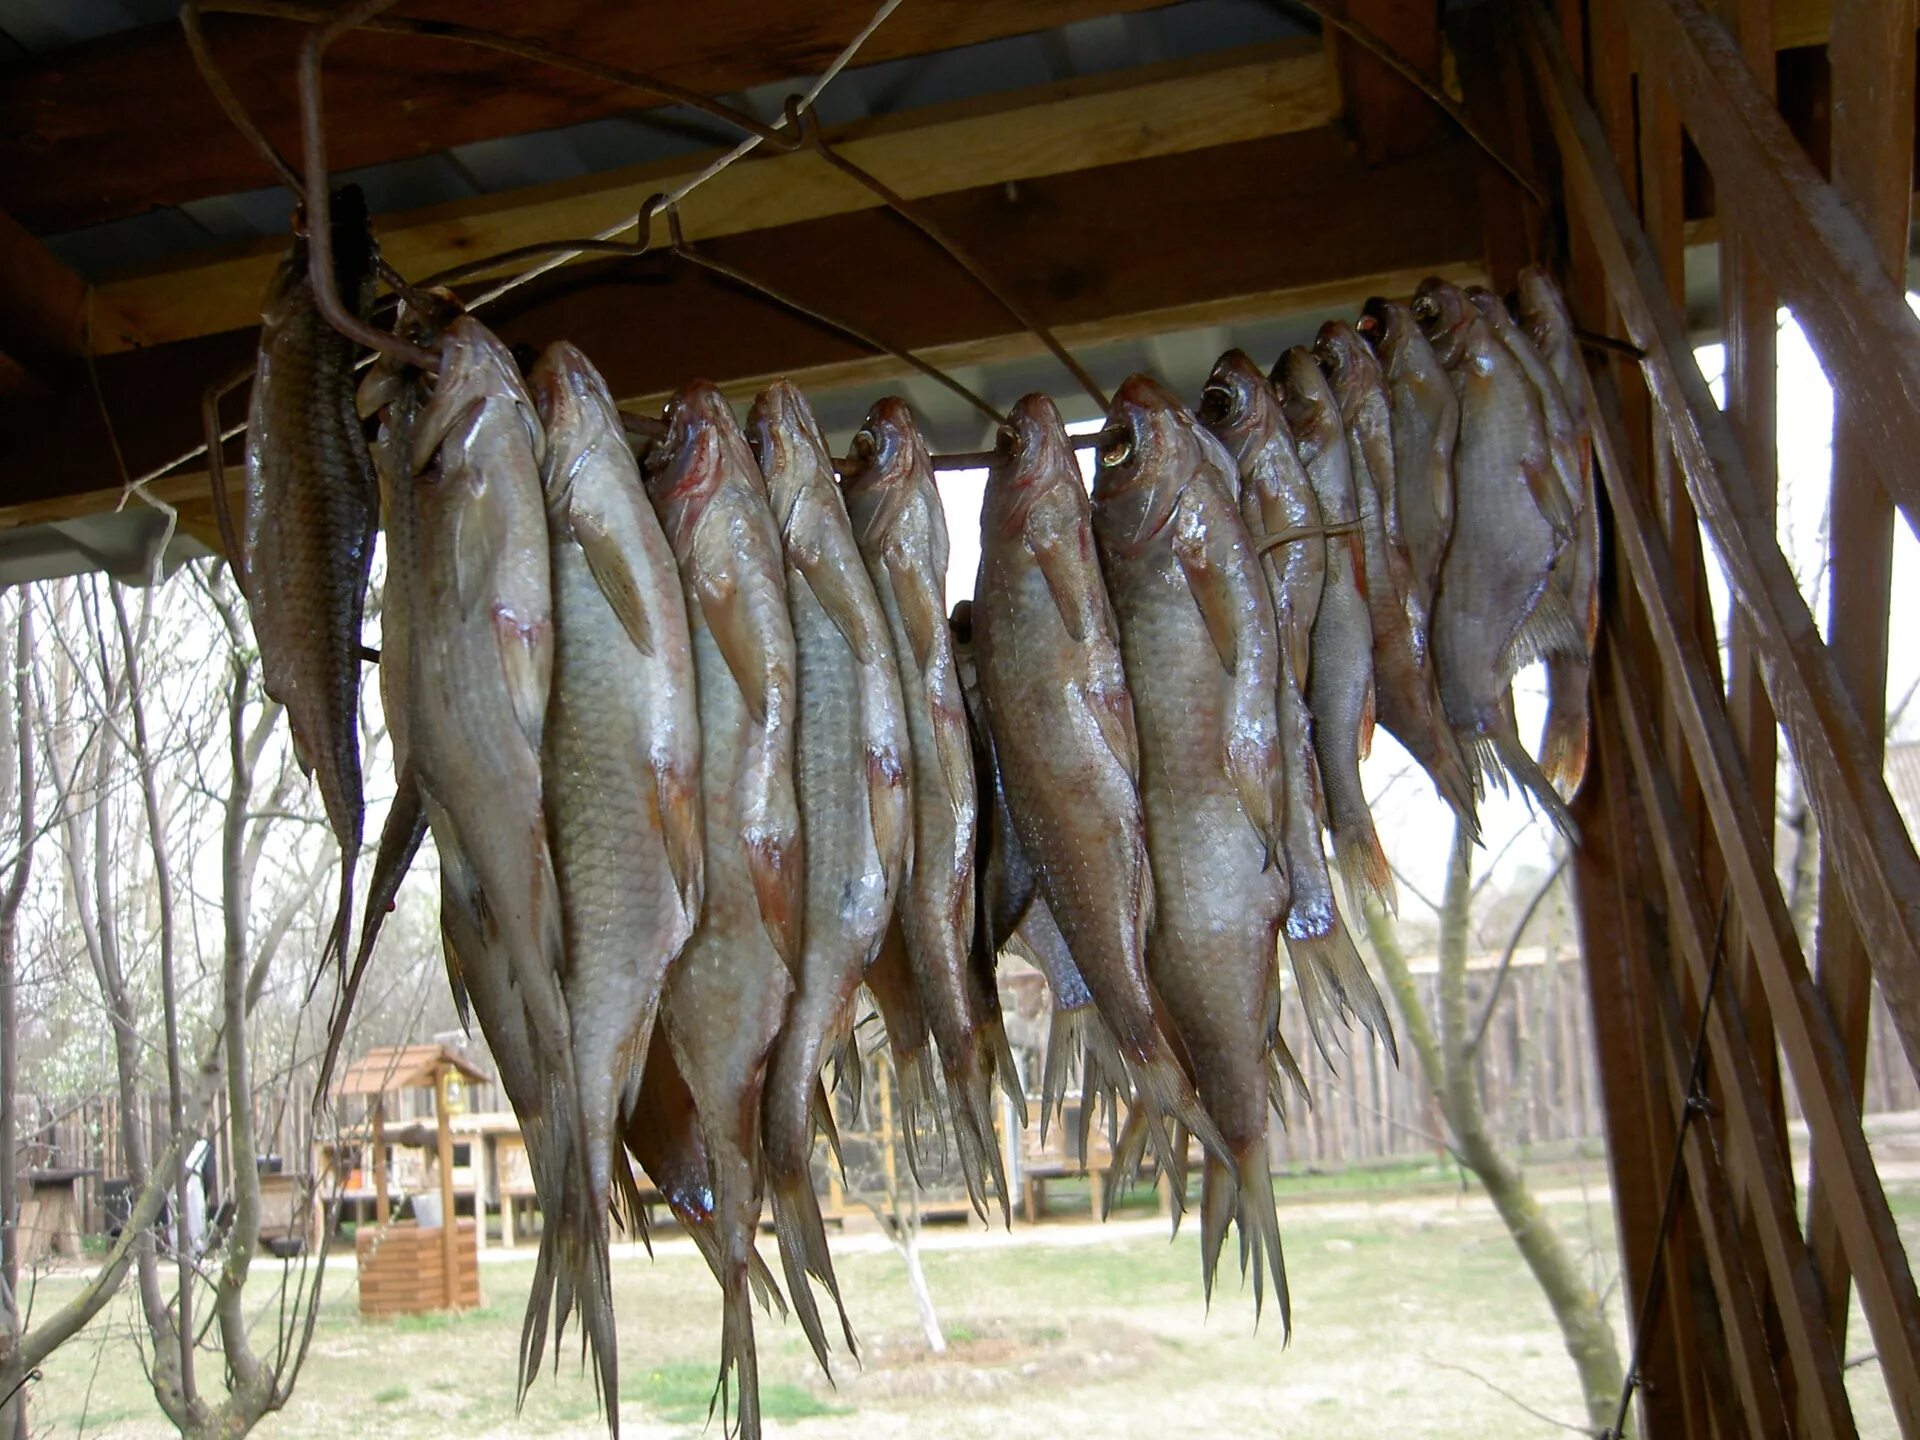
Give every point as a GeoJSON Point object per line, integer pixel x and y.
{"type": "Point", "coordinates": [1363, 864]}
{"type": "Point", "coordinates": [1129, 1149]}
{"type": "Point", "coordinates": [1218, 1202]}
{"type": "Point", "coordinates": [970, 1099]}
{"type": "Point", "coordinates": [1064, 1045]}
{"type": "Point", "coordinates": [738, 1361]}
{"type": "Point", "coordinates": [766, 1289]}
{"type": "Point", "coordinates": [1340, 985]}
{"type": "Point", "coordinates": [1563, 743]}
{"type": "Point", "coordinates": [922, 1128]}
{"type": "Point", "coordinates": [1523, 769]}
{"type": "Point", "coordinates": [1167, 1096]}
{"type": "Point", "coordinates": [802, 1235]}
{"type": "Point", "coordinates": [992, 1037]}
{"type": "Point", "coordinates": [1260, 1236]}
{"type": "Point", "coordinates": [1103, 1076]}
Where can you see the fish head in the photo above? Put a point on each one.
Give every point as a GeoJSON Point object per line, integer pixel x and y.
{"type": "Point", "coordinates": [886, 464]}
{"type": "Point", "coordinates": [1386, 325]}
{"type": "Point", "coordinates": [788, 446]}
{"type": "Point", "coordinates": [960, 622]}
{"type": "Point", "coordinates": [1543, 311]}
{"type": "Point", "coordinates": [578, 412]}
{"type": "Point", "coordinates": [1449, 320]}
{"type": "Point", "coordinates": [1312, 413]}
{"type": "Point", "coordinates": [420, 320]}
{"type": "Point", "coordinates": [476, 371]}
{"type": "Point", "coordinates": [1031, 454]}
{"type": "Point", "coordinates": [1149, 449]}
{"type": "Point", "coordinates": [1349, 362]}
{"type": "Point", "coordinates": [687, 465]}
{"type": "Point", "coordinates": [1238, 403]}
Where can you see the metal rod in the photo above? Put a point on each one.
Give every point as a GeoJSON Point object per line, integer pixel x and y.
{"type": "Point", "coordinates": [326, 293]}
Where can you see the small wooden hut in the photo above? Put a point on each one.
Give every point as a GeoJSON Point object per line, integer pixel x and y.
{"type": "Point", "coordinates": [407, 1268]}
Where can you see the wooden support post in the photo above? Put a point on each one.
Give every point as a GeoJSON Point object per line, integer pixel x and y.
{"type": "Point", "coordinates": [378, 1160]}
{"type": "Point", "coordinates": [1872, 60]}
{"type": "Point", "coordinates": [443, 1141]}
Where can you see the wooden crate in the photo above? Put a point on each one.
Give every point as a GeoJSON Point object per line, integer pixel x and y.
{"type": "Point", "coordinates": [402, 1269]}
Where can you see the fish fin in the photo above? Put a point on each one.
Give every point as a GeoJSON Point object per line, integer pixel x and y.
{"type": "Point", "coordinates": [1563, 743]}
{"type": "Point", "coordinates": [777, 865]}
{"type": "Point", "coordinates": [766, 1289]}
{"type": "Point", "coordinates": [1064, 575]}
{"type": "Point", "coordinates": [611, 565]}
{"type": "Point", "coordinates": [921, 1123]}
{"type": "Point", "coordinates": [1006, 1070]}
{"type": "Point", "coordinates": [400, 837]}
{"type": "Point", "coordinates": [738, 1360]}
{"type": "Point", "coordinates": [837, 583]}
{"type": "Point", "coordinates": [802, 1237]}
{"type": "Point", "coordinates": [1218, 1202]}
{"type": "Point", "coordinates": [889, 812]}
{"type": "Point", "coordinates": [1430, 741]}
{"type": "Point", "coordinates": [970, 1104]}
{"type": "Point", "coordinates": [921, 612]}
{"type": "Point", "coordinates": [955, 751]}
{"type": "Point", "coordinates": [1112, 709]}
{"type": "Point", "coordinates": [1334, 982]}
{"type": "Point", "coordinates": [1166, 1097]}
{"type": "Point", "coordinates": [822, 1109]}
{"type": "Point", "coordinates": [1128, 1149]}
{"type": "Point", "coordinates": [1063, 1048]}
{"type": "Point", "coordinates": [1549, 495]}
{"type": "Point", "coordinates": [1259, 1222]}
{"type": "Point", "coordinates": [1363, 865]}
{"type": "Point", "coordinates": [1211, 593]}
{"type": "Point", "coordinates": [479, 540]}
{"type": "Point", "coordinates": [526, 664]}
{"type": "Point", "coordinates": [677, 794]}
{"type": "Point", "coordinates": [629, 1208]}
{"type": "Point", "coordinates": [1520, 765]}
{"type": "Point", "coordinates": [725, 611]}
{"type": "Point", "coordinates": [1551, 628]}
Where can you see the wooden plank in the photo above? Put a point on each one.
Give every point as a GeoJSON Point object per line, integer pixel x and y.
{"type": "Point", "coordinates": [122, 125]}
{"type": "Point", "coordinates": [1613, 926]}
{"type": "Point", "coordinates": [1762, 1160]}
{"type": "Point", "coordinates": [1871, 846]}
{"type": "Point", "coordinates": [1812, 244]}
{"type": "Point", "coordinates": [1872, 60]}
{"type": "Point", "coordinates": [1048, 130]}
{"type": "Point", "coordinates": [1102, 254]}
{"type": "Point", "coordinates": [1390, 116]}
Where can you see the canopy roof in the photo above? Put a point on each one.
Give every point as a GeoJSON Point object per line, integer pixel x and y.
{"type": "Point", "coordinates": [404, 1067]}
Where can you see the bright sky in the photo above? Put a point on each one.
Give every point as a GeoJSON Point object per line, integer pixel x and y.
{"type": "Point", "coordinates": [1415, 826]}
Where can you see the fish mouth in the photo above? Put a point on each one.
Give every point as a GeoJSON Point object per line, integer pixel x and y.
{"type": "Point", "coordinates": [1221, 403]}
{"type": "Point", "coordinates": [1375, 325]}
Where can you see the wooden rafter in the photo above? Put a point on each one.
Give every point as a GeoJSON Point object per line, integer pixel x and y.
{"type": "Point", "coordinates": [1105, 254]}
{"type": "Point", "coordinates": [122, 125]}
{"type": "Point", "coordinates": [1024, 135]}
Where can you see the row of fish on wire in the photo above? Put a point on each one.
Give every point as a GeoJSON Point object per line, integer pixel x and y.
{"type": "Point", "coordinates": [706, 760]}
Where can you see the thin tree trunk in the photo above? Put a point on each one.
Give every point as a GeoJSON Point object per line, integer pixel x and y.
{"type": "Point", "coordinates": [19, 776]}
{"type": "Point", "coordinates": [1448, 1062]}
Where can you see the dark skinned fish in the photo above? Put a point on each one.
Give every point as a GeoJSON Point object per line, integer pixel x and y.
{"type": "Point", "coordinates": [727, 996]}
{"type": "Point", "coordinates": [902, 534]}
{"type": "Point", "coordinates": [1062, 722]}
{"type": "Point", "coordinates": [1283, 519]}
{"type": "Point", "coordinates": [1497, 607]}
{"type": "Point", "coordinates": [896, 999]}
{"type": "Point", "coordinates": [851, 763]}
{"type": "Point", "coordinates": [1202, 662]}
{"type": "Point", "coordinates": [1340, 691]}
{"type": "Point", "coordinates": [622, 747]}
{"type": "Point", "coordinates": [306, 540]}
{"type": "Point", "coordinates": [1563, 746]}
{"type": "Point", "coordinates": [1405, 687]}
{"type": "Point", "coordinates": [481, 653]}
{"type": "Point", "coordinates": [1425, 416]}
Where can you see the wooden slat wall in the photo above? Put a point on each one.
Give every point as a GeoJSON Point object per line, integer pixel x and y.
{"type": "Point", "coordinates": [1679, 810]}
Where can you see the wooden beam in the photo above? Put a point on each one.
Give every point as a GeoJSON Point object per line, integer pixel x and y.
{"type": "Point", "coordinates": [1869, 841]}
{"type": "Point", "coordinates": [1132, 115]}
{"type": "Point", "coordinates": [122, 125]}
{"type": "Point", "coordinates": [1758, 1150]}
{"type": "Point", "coordinates": [1872, 60]}
{"type": "Point", "coordinates": [1813, 246]}
{"type": "Point", "coordinates": [1390, 115]}
{"type": "Point", "coordinates": [1105, 254]}
{"type": "Point", "coordinates": [1876, 856]}
{"type": "Point", "coordinates": [47, 316]}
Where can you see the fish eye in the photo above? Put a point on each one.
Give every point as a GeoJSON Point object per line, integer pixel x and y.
{"type": "Point", "coordinates": [1009, 440]}
{"type": "Point", "coordinates": [864, 446]}
{"type": "Point", "coordinates": [1117, 452]}
{"type": "Point", "coordinates": [1426, 309]}
{"type": "Point", "coordinates": [1220, 402]}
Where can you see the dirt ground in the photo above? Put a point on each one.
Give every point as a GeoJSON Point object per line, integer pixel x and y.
{"type": "Point", "coordinates": [1407, 1313]}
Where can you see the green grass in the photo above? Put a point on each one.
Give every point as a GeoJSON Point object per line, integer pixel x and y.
{"type": "Point", "coordinates": [1049, 1338]}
